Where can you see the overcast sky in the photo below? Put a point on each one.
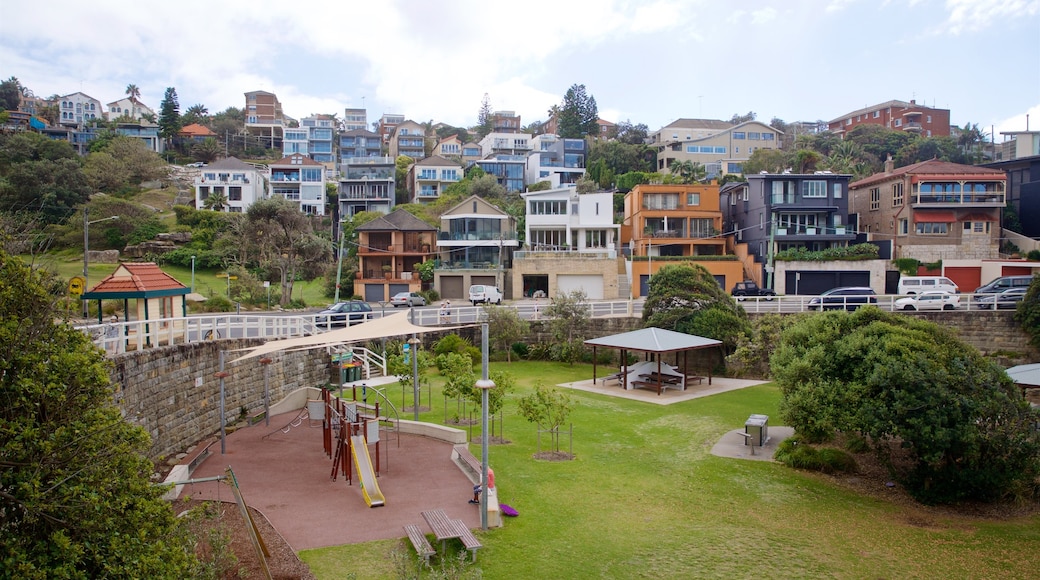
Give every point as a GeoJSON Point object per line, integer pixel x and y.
{"type": "Point", "coordinates": [645, 61]}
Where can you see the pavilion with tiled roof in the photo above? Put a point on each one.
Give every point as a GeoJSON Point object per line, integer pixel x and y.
{"type": "Point", "coordinates": [146, 282]}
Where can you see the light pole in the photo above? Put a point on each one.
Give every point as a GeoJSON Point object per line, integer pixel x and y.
{"type": "Point", "coordinates": [86, 250]}
{"type": "Point", "coordinates": [413, 346]}
{"type": "Point", "coordinates": [484, 384]}
{"type": "Point", "coordinates": [193, 274]}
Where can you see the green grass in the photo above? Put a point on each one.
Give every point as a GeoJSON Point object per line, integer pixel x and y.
{"type": "Point", "coordinates": [645, 498]}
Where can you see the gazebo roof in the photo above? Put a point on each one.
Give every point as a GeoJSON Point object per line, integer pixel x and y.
{"type": "Point", "coordinates": [654, 340]}
{"type": "Point", "coordinates": [1025, 375]}
{"type": "Point", "coordinates": [136, 280]}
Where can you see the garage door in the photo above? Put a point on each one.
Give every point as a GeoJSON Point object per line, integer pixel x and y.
{"type": "Point", "coordinates": [592, 285]}
{"type": "Point", "coordinates": [484, 281]}
{"type": "Point", "coordinates": [451, 288]}
{"type": "Point", "coordinates": [374, 292]}
{"type": "Point", "coordinates": [811, 283]}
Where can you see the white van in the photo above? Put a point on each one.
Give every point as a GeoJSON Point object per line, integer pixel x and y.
{"type": "Point", "coordinates": [481, 294]}
{"type": "Point", "coordinates": [909, 285]}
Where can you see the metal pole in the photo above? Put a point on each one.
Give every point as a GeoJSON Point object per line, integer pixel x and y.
{"type": "Point", "coordinates": [413, 346]}
{"type": "Point", "coordinates": [193, 273]}
{"type": "Point", "coordinates": [223, 432]}
{"type": "Point", "coordinates": [339, 266]}
{"type": "Point", "coordinates": [86, 249]}
{"type": "Point", "coordinates": [484, 384]}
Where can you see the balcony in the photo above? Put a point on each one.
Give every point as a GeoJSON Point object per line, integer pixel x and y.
{"type": "Point", "coordinates": [912, 126]}
{"type": "Point", "coordinates": [542, 251]}
{"type": "Point", "coordinates": [475, 236]}
{"type": "Point", "coordinates": [953, 200]}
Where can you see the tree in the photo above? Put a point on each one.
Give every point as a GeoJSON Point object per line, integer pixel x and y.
{"type": "Point", "coordinates": [133, 92]}
{"type": "Point", "coordinates": [768, 160]}
{"type": "Point", "coordinates": [578, 115]}
{"type": "Point", "coordinates": [196, 113]}
{"type": "Point", "coordinates": [10, 94]}
{"type": "Point", "coordinates": [688, 171]}
{"type": "Point", "coordinates": [484, 118]}
{"type": "Point", "coordinates": [630, 134]}
{"type": "Point", "coordinates": [216, 201]}
{"type": "Point", "coordinates": [806, 160]}
{"type": "Point", "coordinates": [1027, 313]}
{"type": "Point", "coordinates": [548, 408]}
{"type": "Point", "coordinates": [505, 327]}
{"type": "Point", "coordinates": [169, 115]}
{"type": "Point", "coordinates": [622, 157]}
{"type": "Point", "coordinates": [686, 298]}
{"type": "Point", "coordinates": [947, 422]}
{"type": "Point", "coordinates": [283, 240]}
{"type": "Point", "coordinates": [75, 492]}
{"type": "Point", "coordinates": [41, 174]}
{"type": "Point", "coordinates": [568, 315]}
{"type": "Point", "coordinates": [207, 150]}
{"type": "Point", "coordinates": [970, 141]}
{"type": "Point", "coordinates": [737, 118]}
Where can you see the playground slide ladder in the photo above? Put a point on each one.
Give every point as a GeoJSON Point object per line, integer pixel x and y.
{"type": "Point", "coordinates": [366, 476]}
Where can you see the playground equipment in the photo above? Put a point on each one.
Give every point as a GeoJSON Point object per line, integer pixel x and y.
{"type": "Point", "coordinates": [353, 433]}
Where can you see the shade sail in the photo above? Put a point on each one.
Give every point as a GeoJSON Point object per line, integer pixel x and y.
{"type": "Point", "coordinates": [385, 327]}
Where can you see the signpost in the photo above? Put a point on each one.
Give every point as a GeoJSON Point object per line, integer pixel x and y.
{"type": "Point", "coordinates": [229, 279]}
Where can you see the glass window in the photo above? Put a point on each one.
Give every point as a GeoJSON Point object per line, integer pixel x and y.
{"type": "Point", "coordinates": [754, 136]}
{"type": "Point", "coordinates": [706, 149]}
{"type": "Point", "coordinates": [738, 134]}
{"type": "Point", "coordinates": [720, 150]}
{"type": "Point", "coordinates": [693, 199]}
{"type": "Point", "coordinates": [836, 190]}
{"type": "Point", "coordinates": [767, 136]}
{"type": "Point", "coordinates": [691, 148]}
{"type": "Point", "coordinates": [932, 228]}
{"type": "Point", "coordinates": [814, 188]}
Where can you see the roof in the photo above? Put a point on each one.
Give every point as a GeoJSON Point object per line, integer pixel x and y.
{"type": "Point", "coordinates": [230, 163]}
{"type": "Point", "coordinates": [303, 160]}
{"type": "Point", "coordinates": [714, 124]}
{"type": "Point", "coordinates": [886, 105]}
{"type": "Point", "coordinates": [437, 160]}
{"type": "Point", "coordinates": [137, 280]}
{"type": "Point", "coordinates": [385, 327]}
{"type": "Point", "coordinates": [654, 340]}
{"type": "Point", "coordinates": [195, 129]}
{"type": "Point", "coordinates": [397, 220]}
{"type": "Point", "coordinates": [362, 132]}
{"type": "Point", "coordinates": [931, 167]}
{"type": "Point", "coordinates": [1028, 375]}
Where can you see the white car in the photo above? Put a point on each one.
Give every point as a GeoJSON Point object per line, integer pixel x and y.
{"type": "Point", "coordinates": [408, 299]}
{"type": "Point", "coordinates": [929, 300]}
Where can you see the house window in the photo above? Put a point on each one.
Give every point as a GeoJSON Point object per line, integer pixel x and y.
{"type": "Point", "coordinates": [899, 122]}
{"type": "Point", "coordinates": [691, 148]}
{"type": "Point", "coordinates": [848, 121]}
{"type": "Point", "coordinates": [904, 225]}
{"type": "Point", "coordinates": [931, 228]}
{"type": "Point", "coordinates": [745, 194]}
{"type": "Point", "coordinates": [836, 190]}
{"type": "Point", "coordinates": [814, 189]}
{"type": "Point", "coordinates": [693, 199]}
{"type": "Point", "coordinates": [234, 194]}
{"type": "Point", "coordinates": [897, 194]}
{"type": "Point", "coordinates": [877, 114]}
{"type": "Point", "coordinates": [875, 198]}
{"type": "Point", "coordinates": [767, 136]}
{"type": "Point", "coordinates": [738, 135]}
{"type": "Point", "coordinates": [736, 149]}
{"type": "Point", "coordinates": [721, 150]}
{"type": "Point", "coordinates": [928, 118]}
{"type": "Point", "coordinates": [754, 136]}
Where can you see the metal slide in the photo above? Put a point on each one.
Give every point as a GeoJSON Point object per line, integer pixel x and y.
{"type": "Point", "coordinates": [367, 477]}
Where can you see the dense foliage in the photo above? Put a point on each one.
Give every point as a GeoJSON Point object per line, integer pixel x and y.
{"type": "Point", "coordinates": [577, 117]}
{"type": "Point", "coordinates": [1028, 311]}
{"type": "Point", "coordinates": [75, 495]}
{"type": "Point", "coordinates": [856, 252]}
{"type": "Point", "coordinates": [41, 175]}
{"type": "Point", "coordinates": [949, 424]}
{"type": "Point", "coordinates": [686, 298]}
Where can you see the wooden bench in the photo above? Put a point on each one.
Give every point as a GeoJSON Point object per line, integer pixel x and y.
{"type": "Point", "coordinates": [419, 542]}
{"type": "Point", "coordinates": [470, 541]}
{"type": "Point", "coordinates": [468, 461]}
{"type": "Point", "coordinates": [694, 379]}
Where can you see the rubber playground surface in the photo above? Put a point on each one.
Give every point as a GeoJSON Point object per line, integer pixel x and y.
{"type": "Point", "coordinates": [286, 476]}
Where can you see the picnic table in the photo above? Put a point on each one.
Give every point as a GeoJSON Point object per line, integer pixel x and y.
{"type": "Point", "coordinates": [441, 524]}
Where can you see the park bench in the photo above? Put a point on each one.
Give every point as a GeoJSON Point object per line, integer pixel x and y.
{"type": "Point", "coordinates": [419, 542]}
{"type": "Point", "coordinates": [470, 541]}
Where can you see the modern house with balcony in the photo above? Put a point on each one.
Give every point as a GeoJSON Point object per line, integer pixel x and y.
{"type": "Point", "coordinates": [355, 119]}
{"type": "Point", "coordinates": [321, 139]}
{"type": "Point", "coordinates": [1019, 158]}
{"type": "Point", "coordinates": [470, 152]}
{"type": "Point", "coordinates": [933, 210]}
{"type": "Point", "coordinates": [301, 180]}
{"type": "Point", "coordinates": [721, 147]}
{"type": "Point", "coordinates": [366, 184]}
{"type": "Point", "coordinates": [359, 143]}
{"type": "Point", "coordinates": [427, 178]}
{"type": "Point", "coordinates": [147, 132]}
{"type": "Point", "coordinates": [508, 170]}
{"type": "Point", "coordinates": [571, 244]}
{"type": "Point", "coordinates": [390, 249]}
{"type": "Point", "coordinates": [897, 115]}
{"type": "Point", "coordinates": [667, 224]}
{"type": "Point", "coordinates": [264, 118]}
{"type": "Point", "coordinates": [561, 162]}
{"type": "Point", "coordinates": [505, 122]}
{"type": "Point", "coordinates": [505, 144]}
{"type": "Point", "coordinates": [475, 244]}
{"type": "Point", "coordinates": [387, 123]}
{"type": "Point", "coordinates": [774, 212]}
{"type": "Point", "coordinates": [408, 138]}
{"type": "Point", "coordinates": [239, 183]}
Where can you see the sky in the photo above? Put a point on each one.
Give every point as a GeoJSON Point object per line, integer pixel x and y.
{"type": "Point", "coordinates": [644, 61]}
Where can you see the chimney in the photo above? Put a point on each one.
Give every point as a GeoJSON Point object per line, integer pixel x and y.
{"type": "Point", "coordinates": [889, 164]}
{"type": "Point", "coordinates": [913, 101]}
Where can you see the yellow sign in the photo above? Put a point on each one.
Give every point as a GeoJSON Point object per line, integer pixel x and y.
{"type": "Point", "coordinates": [76, 285]}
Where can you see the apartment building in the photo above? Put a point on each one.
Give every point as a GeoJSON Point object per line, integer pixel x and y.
{"type": "Point", "coordinates": [561, 162]}
{"type": "Point", "coordinates": [239, 184]}
{"type": "Point", "coordinates": [265, 119]}
{"type": "Point", "coordinates": [408, 138]}
{"type": "Point", "coordinates": [301, 180]}
{"type": "Point", "coordinates": [898, 115]}
{"type": "Point", "coordinates": [721, 147]}
{"type": "Point", "coordinates": [366, 184]}
{"type": "Point", "coordinates": [427, 178]}
{"type": "Point", "coordinates": [475, 245]}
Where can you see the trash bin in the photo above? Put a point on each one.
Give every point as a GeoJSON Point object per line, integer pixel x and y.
{"type": "Point", "coordinates": [356, 369]}
{"type": "Point", "coordinates": [757, 426]}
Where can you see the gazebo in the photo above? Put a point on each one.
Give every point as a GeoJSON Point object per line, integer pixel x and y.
{"type": "Point", "coordinates": [1025, 376]}
{"type": "Point", "coordinates": [154, 290]}
{"type": "Point", "coordinates": [655, 342]}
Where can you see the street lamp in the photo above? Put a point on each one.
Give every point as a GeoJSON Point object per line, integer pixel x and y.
{"type": "Point", "coordinates": [193, 274]}
{"type": "Point", "coordinates": [86, 250]}
{"type": "Point", "coordinates": [413, 346]}
{"type": "Point", "coordinates": [484, 384]}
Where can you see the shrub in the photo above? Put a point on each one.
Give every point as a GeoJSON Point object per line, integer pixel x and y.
{"type": "Point", "coordinates": [218, 304]}
{"type": "Point", "coordinates": [1033, 255]}
{"type": "Point", "coordinates": [520, 349]}
{"type": "Point", "coordinates": [430, 295]}
{"type": "Point", "coordinates": [800, 455]}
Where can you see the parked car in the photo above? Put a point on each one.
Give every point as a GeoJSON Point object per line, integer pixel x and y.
{"type": "Point", "coordinates": [1007, 299]}
{"type": "Point", "coordinates": [408, 299]}
{"type": "Point", "coordinates": [849, 298]}
{"type": "Point", "coordinates": [1003, 283]}
{"type": "Point", "coordinates": [196, 164]}
{"type": "Point", "coordinates": [343, 314]}
{"type": "Point", "coordinates": [750, 288]}
{"type": "Point", "coordinates": [482, 294]}
{"type": "Point", "coordinates": [929, 300]}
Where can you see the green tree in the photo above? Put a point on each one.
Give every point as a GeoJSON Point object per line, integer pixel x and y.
{"type": "Point", "coordinates": [737, 118]}
{"type": "Point", "coordinates": [505, 327]}
{"type": "Point", "coordinates": [283, 240]}
{"type": "Point", "coordinates": [948, 423]}
{"type": "Point", "coordinates": [10, 94]}
{"type": "Point", "coordinates": [401, 165]}
{"type": "Point", "coordinates": [207, 150]}
{"type": "Point", "coordinates": [568, 315]}
{"type": "Point", "coordinates": [630, 134]}
{"type": "Point", "coordinates": [196, 113]}
{"type": "Point", "coordinates": [169, 115]}
{"type": "Point", "coordinates": [548, 408]}
{"type": "Point", "coordinates": [75, 492]}
{"type": "Point", "coordinates": [133, 92]}
{"type": "Point", "coordinates": [41, 174]}
{"type": "Point", "coordinates": [578, 115]}
{"type": "Point", "coordinates": [686, 298]}
{"type": "Point", "coordinates": [768, 160]}
{"type": "Point", "coordinates": [484, 119]}
{"type": "Point", "coordinates": [688, 171]}
{"type": "Point", "coordinates": [216, 201]}
{"type": "Point", "coordinates": [1027, 313]}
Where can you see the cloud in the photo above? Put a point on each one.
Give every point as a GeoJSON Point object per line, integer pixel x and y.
{"type": "Point", "coordinates": [1018, 122]}
{"type": "Point", "coordinates": [967, 16]}
{"type": "Point", "coordinates": [837, 5]}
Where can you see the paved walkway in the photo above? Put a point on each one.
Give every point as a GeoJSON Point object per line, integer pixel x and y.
{"type": "Point", "coordinates": [668, 396]}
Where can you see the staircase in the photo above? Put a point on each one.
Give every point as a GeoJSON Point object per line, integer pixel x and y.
{"type": "Point", "coordinates": [624, 285]}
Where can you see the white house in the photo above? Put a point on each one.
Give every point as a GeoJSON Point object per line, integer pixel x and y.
{"type": "Point", "coordinates": [563, 219]}
{"type": "Point", "coordinates": [129, 107]}
{"type": "Point", "coordinates": [240, 183]}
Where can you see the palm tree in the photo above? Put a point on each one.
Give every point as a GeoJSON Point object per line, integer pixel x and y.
{"type": "Point", "coordinates": [133, 92]}
{"type": "Point", "coordinates": [195, 114]}
{"type": "Point", "coordinates": [688, 171]}
{"type": "Point", "coordinates": [216, 201]}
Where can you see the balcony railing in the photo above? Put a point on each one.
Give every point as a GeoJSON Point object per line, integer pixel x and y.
{"type": "Point", "coordinates": [548, 251]}
{"type": "Point", "coordinates": [475, 236]}
{"type": "Point", "coordinates": [988, 199]}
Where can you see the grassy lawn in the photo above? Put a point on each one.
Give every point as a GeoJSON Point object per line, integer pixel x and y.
{"type": "Point", "coordinates": [645, 498]}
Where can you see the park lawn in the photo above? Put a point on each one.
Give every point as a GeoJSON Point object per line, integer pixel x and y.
{"type": "Point", "coordinates": [644, 498]}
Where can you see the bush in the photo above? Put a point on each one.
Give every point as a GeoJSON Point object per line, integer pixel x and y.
{"type": "Point", "coordinates": [218, 304]}
{"type": "Point", "coordinates": [520, 349]}
{"type": "Point", "coordinates": [799, 455]}
{"type": "Point", "coordinates": [430, 295]}
{"type": "Point", "coordinates": [1033, 255]}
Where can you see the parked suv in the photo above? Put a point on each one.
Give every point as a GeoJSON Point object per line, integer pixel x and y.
{"type": "Point", "coordinates": [1004, 283]}
{"type": "Point", "coordinates": [849, 298]}
{"type": "Point", "coordinates": [343, 314]}
{"type": "Point", "coordinates": [481, 294]}
{"type": "Point", "coordinates": [750, 288]}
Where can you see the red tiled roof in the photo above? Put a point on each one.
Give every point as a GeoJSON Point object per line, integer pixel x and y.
{"type": "Point", "coordinates": [931, 168]}
{"type": "Point", "coordinates": [287, 161]}
{"type": "Point", "coordinates": [196, 130]}
{"type": "Point", "coordinates": [137, 277]}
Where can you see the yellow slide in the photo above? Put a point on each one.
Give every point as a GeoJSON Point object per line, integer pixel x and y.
{"type": "Point", "coordinates": [366, 476]}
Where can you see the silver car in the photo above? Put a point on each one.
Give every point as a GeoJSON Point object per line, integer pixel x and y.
{"type": "Point", "coordinates": [408, 299]}
{"type": "Point", "coordinates": [929, 300]}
